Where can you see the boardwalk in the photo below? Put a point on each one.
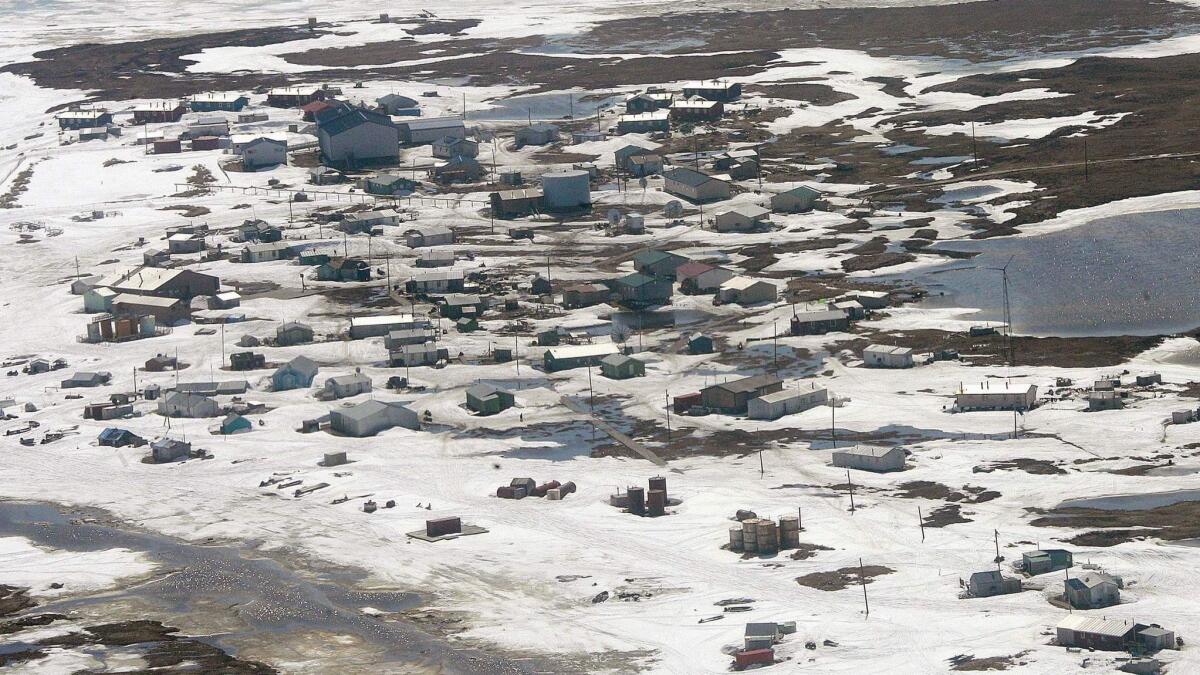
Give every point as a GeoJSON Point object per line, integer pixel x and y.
{"type": "Point", "coordinates": [617, 436]}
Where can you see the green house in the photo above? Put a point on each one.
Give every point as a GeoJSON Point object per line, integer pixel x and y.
{"type": "Point", "coordinates": [234, 423]}
{"type": "Point", "coordinates": [484, 399]}
{"type": "Point", "coordinates": [622, 367]}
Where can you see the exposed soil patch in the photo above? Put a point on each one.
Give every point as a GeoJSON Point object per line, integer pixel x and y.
{"type": "Point", "coordinates": [1039, 467]}
{"type": "Point", "coordinates": [862, 263]}
{"type": "Point", "coordinates": [160, 647]}
{"type": "Point", "coordinates": [969, 30]}
{"type": "Point", "coordinates": [1170, 523]}
{"type": "Point", "coordinates": [444, 26]}
{"type": "Point", "coordinates": [816, 94]}
{"type": "Point", "coordinates": [948, 514]}
{"type": "Point", "coordinates": [13, 600]}
{"type": "Point", "coordinates": [144, 68]}
{"type": "Point", "coordinates": [188, 210]}
{"type": "Point", "coordinates": [968, 662]}
{"type": "Point", "coordinates": [892, 86]}
{"type": "Point", "coordinates": [805, 551]}
{"type": "Point", "coordinates": [841, 578]}
{"type": "Point", "coordinates": [924, 489]}
{"type": "Point", "coordinates": [1079, 352]}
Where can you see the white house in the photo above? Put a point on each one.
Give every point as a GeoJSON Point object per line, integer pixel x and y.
{"type": "Point", "coordinates": [996, 396]}
{"type": "Point", "coordinates": [747, 291]}
{"type": "Point", "coordinates": [785, 402]}
{"type": "Point", "coordinates": [742, 218]}
{"type": "Point", "coordinates": [883, 356]}
{"type": "Point", "coordinates": [263, 151]}
{"type": "Point", "coordinates": [870, 458]}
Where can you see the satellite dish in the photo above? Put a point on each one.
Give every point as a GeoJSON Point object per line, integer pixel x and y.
{"type": "Point", "coordinates": [673, 209]}
{"type": "Point", "coordinates": [614, 216]}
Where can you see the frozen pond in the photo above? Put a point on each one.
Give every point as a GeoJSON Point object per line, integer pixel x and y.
{"type": "Point", "coordinates": [1127, 275]}
{"type": "Point", "coordinates": [268, 601]}
{"type": "Point", "coordinates": [1151, 500]}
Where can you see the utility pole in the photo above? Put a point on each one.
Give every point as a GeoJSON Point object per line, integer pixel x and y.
{"type": "Point", "coordinates": [667, 396]}
{"type": "Point", "coordinates": [222, 344]}
{"type": "Point", "coordinates": [921, 522]}
{"type": "Point", "coordinates": [517, 361]}
{"type": "Point", "coordinates": [761, 470]}
{"type": "Point", "coordinates": [974, 147]}
{"type": "Point", "coordinates": [775, 339]}
{"type": "Point", "coordinates": [833, 424]}
{"type": "Point", "coordinates": [996, 536]}
{"type": "Point", "coordinates": [1085, 159]}
{"type": "Point", "coordinates": [851, 484]}
{"type": "Point", "coordinates": [862, 579]}
{"type": "Point", "coordinates": [592, 402]}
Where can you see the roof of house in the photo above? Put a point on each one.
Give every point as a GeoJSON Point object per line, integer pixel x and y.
{"type": "Point", "coordinates": [484, 391]}
{"type": "Point", "coordinates": [582, 351]}
{"type": "Point", "coordinates": [145, 300]}
{"type": "Point", "coordinates": [301, 364]}
{"type": "Point", "coordinates": [747, 384]}
{"type": "Point", "coordinates": [788, 394]}
{"type": "Point", "coordinates": [820, 315]}
{"type": "Point", "coordinates": [635, 280]}
{"type": "Point", "coordinates": [751, 211]}
{"type": "Point", "coordinates": [1082, 623]}
{"type": "Point", "coordinates": [293, 325]}
{"type": "Point", "coordinates": [657, 116]}
{"type": "Point", "coordinates": [217, 97]}
{"type": "Point", "coordinates": [384, 320]}
{"type": "Point", "coordinates": [162, 105]}
{"type": "Point", "coordinates": [540, 127]}
{"type": "Point", "coordinates": [870, 450]}
{"type": "Point", "coordinates": [979, 389]}
{"type": "Point", "coordinates": [887, 349]}
{"type": "Point", "coordinates": [990, 575]}
{"type": "Point", "coordinates": [424, 123]}
{"type": "Point", "coordinates": [368, 409]}
{"type": "Point", "coordinates": [349, 118]}
{"type": "Point", "coordinates": [693, 268]}
{"type": "Point", "coordinates": [346, 380]}
{"type": "Point", "coordinates": [586, 288]}
{"type": "Point", "coordinates": [396, 100]}
{"type": "Point", "coordinates": [740, 283]}
{"type": "Point", "coordinates": [686, 176]}
{"type": "Point", "coordinates": [618, 360]}
{"type": "Point", "coordinates": [302, 90]}
{"type": "Point", "coordinates": [438, 275]}
{"type": "Point", "coordinates": [516, 195]}
{"type": "Point", "coordinates": [651, 256]}
{"type": "Point", "coordinates": [802, 191]}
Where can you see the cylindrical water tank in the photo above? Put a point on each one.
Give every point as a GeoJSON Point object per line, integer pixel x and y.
{"type": "Point", "coordinates": [735, 539]}
{"type": "Point", "coordinates": [563, 190]}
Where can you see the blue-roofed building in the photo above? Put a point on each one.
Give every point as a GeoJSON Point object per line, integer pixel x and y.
{"type": "Point", "coordinates": [113, 437]}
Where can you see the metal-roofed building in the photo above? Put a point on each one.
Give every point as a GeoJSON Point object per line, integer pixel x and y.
{"type": "Point", "coordinates": [742, 218]}
{"type": "Point", "coordinates": [785, 402]}
{"type": "Point", "coordinates": [357, 137]}
{"type": "Point", "coordinates": [820, 322]}
{"type": "Point", "coordinates": [870, 458]}
{"type": "Point", "coordinates": [885, 356]}
{"type": "Point", "coordinates": [577, 356]}
{"type": "Point", "coordinates": [694, 185]}
{"type": "Point", "coordinates": [371, 417]}
{"type": "Point", "coordinates": [734, 397]}
{"type": "Point", "coordinates": [426, 130]}
{"type": "Point", "coordinates": [1001, 397]}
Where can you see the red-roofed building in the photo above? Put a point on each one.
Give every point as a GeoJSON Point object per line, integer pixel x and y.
{"type": "Point", "coordinates": [699, 277]}
{"type": "Point", "coordinates": [312, 110]}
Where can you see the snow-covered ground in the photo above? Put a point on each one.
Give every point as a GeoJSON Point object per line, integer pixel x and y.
{"type": "Point", "coordinates": [511, 580]}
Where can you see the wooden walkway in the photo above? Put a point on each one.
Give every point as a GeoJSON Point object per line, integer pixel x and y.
{"type": "Point", "coordinates": [617, 436]}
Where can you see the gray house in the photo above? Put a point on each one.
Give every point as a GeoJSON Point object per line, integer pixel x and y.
{"type": "Point", "coordinates": [410, 355]}
{"type": "Point", "coordinates": [371, 417]}
{"type": "Point", "coordinates": [1047, 560]}
{"type": "Point", "coordinates": [485, 399]}
{"type": "Point", "coordinates": [541, 133]}
{"type": "Point", "coordinates": [454, 146]}
{"type": "Point", "coordinates": [86, 379]}
{"type": "Point", "coordinates": [694, 185]}
{"type": "Point", "coordinates": [622, 367]}
{"type": "Point", "coordinates": [987, 584]}
{"type": "Point", "coordinates": [184, 404]}
{"type": "Point", "coordinates": [358, 137]}
{"type": "Point", "coordinates": [169, 450]}
{"type": "Point", "coordinates": [295, 374]}
{"type": "Point", "coordinates": [796, 200]}
{"type": "Point", "coordinates": [870, 458]}
{"type": "Point", "coordinates": [293, 333]}
{"type": "Point", "coordinates": [344, 386]}
{"type": "Point", "coordinates": [1093, 591]}
{"type": "Point", "coordinates": [427, 130]}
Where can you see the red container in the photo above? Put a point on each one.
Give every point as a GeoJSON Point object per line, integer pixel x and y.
{"type": "Point", "coordinates": [753, 657]}
{"type": "Point", "coordinates": [165, 146]}
{"type": "Point", "coordinates": [684, 402]}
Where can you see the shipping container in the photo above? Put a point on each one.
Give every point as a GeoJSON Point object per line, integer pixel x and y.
{"type": "Point", "coordinates": [443, 526]}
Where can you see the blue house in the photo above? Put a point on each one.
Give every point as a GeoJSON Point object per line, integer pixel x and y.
{"type": "Point", "coordinates": [295, 374]}
{"type": "Point", "coordinates": [113, 437]}
{"type": "Point", "coordinates": [235, 423]}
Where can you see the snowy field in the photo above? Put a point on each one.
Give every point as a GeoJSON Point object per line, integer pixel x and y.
{"type": "Point", "coordinates": [527, 585]}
